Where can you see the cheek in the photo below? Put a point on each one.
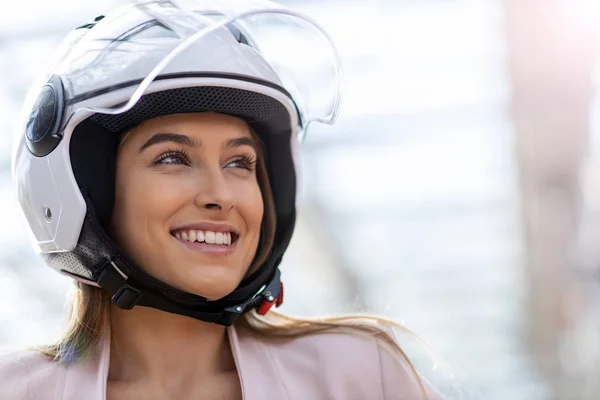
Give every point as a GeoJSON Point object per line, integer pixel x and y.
{"type": "Point", "coordinates": [143, 206]}
{"type": "Point", "coordinates": [251, 207]}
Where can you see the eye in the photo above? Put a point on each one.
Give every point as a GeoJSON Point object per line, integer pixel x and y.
{"type": "Point", "coordinates": [245, 161]}
{"type": "Point", "coordinates": [176, 157]}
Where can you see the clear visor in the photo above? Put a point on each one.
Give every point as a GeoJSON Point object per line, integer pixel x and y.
{"type": "Point", "coordinates": [143, 38]}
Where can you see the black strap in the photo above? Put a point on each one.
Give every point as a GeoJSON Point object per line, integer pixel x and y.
{"type": "Point", "coordinates": [126, 294]}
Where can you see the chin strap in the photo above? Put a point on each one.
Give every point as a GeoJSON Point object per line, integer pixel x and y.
{"type": "Point", "coordinates": [98, 261]}
{"type": "Point", "coordinates": [126, 294]}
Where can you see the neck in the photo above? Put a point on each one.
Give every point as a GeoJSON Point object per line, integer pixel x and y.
{"type": "Point", "coordinates": [153, 344]}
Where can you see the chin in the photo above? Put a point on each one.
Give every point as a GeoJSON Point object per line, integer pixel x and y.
{"type": "Point", "coordinates": [214, 295]}
{"type": "Point", "coordinates": [215, 291]}
{"type": "Point", "coordinates": [213, 282]}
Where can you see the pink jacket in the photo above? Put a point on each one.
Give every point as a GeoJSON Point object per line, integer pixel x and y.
{"type": "Point", "coordinates": [317, 367]}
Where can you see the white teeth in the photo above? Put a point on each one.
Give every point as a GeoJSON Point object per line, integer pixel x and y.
{"type": "Point", "coordinates": [210, 237]}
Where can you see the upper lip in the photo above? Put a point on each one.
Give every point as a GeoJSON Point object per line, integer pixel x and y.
{"type": "Point", "coordinates": [207, 226]}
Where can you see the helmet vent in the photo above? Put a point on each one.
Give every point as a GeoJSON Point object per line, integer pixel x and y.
{"type": "Point", "coordinates": [245, 104]}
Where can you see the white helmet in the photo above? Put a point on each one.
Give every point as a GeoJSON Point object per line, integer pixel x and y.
{"type": "Point", "coordinates": [156, 58]}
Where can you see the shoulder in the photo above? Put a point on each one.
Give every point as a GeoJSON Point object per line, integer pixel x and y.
{"type": "Point", "coordinates": [349, 364]}
{"type": "Point", "coordinates": [27, 374]}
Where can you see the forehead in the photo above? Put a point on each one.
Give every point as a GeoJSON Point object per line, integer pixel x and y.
{"type": "Point", "coordinates": [201, 126]}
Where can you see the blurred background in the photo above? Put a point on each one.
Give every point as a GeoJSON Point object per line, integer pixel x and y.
{"type": "Point", "coordinates": [459, 193]}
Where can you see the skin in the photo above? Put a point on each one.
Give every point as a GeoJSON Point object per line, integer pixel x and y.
{"type": "Point", "coordinates": [158, 190]}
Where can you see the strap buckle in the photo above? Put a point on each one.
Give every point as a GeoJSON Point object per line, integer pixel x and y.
{"type": "Point", "coordinates": [272, 295]}
{"type": "Point", "coordinates": [127, 297]}
{"type": "Point", "coordinates": [270, 301]}
{"type": "Point", "coordinates": [114, 280]}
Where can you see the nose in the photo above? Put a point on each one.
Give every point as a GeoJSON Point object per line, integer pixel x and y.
{"type": "Point", "coordinates": [214, 193]}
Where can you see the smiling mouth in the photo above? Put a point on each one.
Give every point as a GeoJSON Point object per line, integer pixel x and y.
{"type": "Point", "coordinates": [224, 239]}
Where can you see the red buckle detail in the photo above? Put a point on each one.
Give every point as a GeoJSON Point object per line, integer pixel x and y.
{"type": "Point", "coordinates": [265, 306]}
{"type": "Point", "coordinates": [279, 299]}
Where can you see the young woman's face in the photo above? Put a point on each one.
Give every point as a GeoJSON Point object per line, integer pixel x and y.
{"type": "Point", "coordinates": [188, 207]}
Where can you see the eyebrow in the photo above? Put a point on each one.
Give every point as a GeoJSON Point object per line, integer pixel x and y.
{"type": "Point", "coordinates": [240, 141]}
{"type": "Point", "coordinates": [186, 140]}
{"type": "Point", "coordinates": [169, 137]}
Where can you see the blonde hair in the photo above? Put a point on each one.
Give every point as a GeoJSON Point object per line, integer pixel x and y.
{"type": "Point", "coordinates": [90, 307]}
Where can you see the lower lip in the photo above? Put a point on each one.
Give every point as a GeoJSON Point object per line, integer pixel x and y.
{"type": "Point", "coordinates": [216, 249]}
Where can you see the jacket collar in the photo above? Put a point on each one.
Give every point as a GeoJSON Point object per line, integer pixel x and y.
{"type": "Point", "coordinates": [90, 374]}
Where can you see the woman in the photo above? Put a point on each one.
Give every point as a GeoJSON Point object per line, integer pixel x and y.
{"type": "Point", "coordinates": [171, 207]}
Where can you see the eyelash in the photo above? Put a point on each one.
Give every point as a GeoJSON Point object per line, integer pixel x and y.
{"type": "Point", "coordinates": [247, 161]}
{"type": "Point", "coordinates": [181, 154]}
